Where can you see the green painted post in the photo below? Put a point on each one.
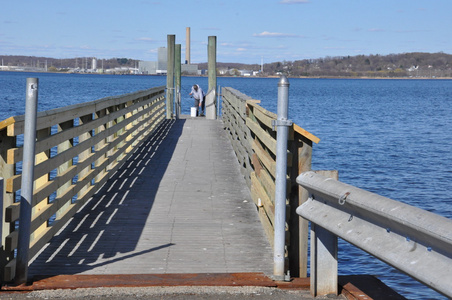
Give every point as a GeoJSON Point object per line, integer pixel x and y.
{"type": "Point", "coordinates": [170, 76]}
{"type": "Point", "coordinates": [177, 77]}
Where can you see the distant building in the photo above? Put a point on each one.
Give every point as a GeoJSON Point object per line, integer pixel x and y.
{"type": "Point", "coordinates": [159, 67]}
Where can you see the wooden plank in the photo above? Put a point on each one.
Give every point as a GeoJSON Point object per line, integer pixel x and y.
{"type": "Point", "coordinates": [267, 226]}
{"type": "Point", "coordinates": [265, 158]}
{"type": "Point", "coordinates": [268, 184]}
{"type": "Point", "coordinates": [305, 133]}
{"type": "Point", "coordinates": [264, 116]}
{"type": "Point", "coordinates": [5, 123]}
{"type": "Point", "coordinates": [263, 136]}
{"type": "Point", "coordinates": [258, 192]}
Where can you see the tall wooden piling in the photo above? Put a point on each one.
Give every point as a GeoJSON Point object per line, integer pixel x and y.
{"type": "Point", "coordinates": [177, 78]}
{"type": "Point", "coordinates": [212, 62]}
{"type": "Point", "coordinates": [170, 75]}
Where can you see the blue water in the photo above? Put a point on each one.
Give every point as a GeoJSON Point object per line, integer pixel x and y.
{"type": "Point", "coordinates": [391, 137]}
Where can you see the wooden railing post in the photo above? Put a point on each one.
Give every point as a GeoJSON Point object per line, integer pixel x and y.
{"type": "Point", "coordinates": [177, 77]}
{"type": "Point", "coordinates": [301, 148]}
{"type": "Point", "coordinates": [7, 199]}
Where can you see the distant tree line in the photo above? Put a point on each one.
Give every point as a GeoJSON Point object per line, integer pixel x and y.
{"type": "Point", "coordinates": [414, 64]}
{"type": "Point", "coordinates": [65, 63]}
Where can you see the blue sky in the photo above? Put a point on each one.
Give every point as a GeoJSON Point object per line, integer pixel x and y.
{"type": "Point", "coordinates": [247, 31]}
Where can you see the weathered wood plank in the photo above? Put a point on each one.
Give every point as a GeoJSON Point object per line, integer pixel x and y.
{"type": "Point", "coordinates": [264, 116]}
{"type": "Point", "coordinates": [265, 158]}
{"type": "Point", "coordinates": [258, 192]}
{"type": "Point", "coordinates": [305, 133]}
{"type": "Point", "coordinates": [263, 136]}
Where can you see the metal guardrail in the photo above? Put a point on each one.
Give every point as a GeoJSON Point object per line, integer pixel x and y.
{"type": "Point", "coordinates": [412, 240]}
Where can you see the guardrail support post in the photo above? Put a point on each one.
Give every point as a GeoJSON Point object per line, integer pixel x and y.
{"type": "Point", "coordinates": [27, 180]}
{"type": "Point", "coordinates": [324, 268]}
{"type": "Point", "coordinates": [282, 125]}
{"type": "Point", "coordinates": [323, 280]}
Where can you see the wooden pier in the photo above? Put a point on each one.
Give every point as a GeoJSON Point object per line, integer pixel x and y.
{"type": "Point", "coordinates": [178, 205]}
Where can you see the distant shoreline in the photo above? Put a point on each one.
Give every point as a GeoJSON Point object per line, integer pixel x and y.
{"type": "Point", "coordinates": [270, 76]}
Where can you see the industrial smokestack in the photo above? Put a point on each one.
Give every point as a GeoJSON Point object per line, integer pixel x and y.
{"type": "Point", "coordinates": [187, 50]}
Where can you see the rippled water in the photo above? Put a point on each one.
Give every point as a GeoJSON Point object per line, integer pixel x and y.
{"type": "Point", "coordinates": [391, 137]}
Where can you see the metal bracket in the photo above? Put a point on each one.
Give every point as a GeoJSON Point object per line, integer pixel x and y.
{"type": "Point", "coordinates": [281, 122]}
{"type": "Point", "coordinates": [343, 198]}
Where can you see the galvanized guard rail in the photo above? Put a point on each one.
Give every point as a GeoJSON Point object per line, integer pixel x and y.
{"type": "Point", "coordinates": [254, 141]}
{"type": "Point", "coordinates": [78, 148]}
{"type": "Point", "coordinates": [412, 240]}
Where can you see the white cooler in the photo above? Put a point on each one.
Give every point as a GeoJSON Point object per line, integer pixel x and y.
{"type": "Point", "coordinates": [193, 112]}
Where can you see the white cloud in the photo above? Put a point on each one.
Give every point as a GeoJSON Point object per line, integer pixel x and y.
{"type": "Point", "coordinates": [147, 39]}
{"type": "Point", "coordinates": [274, 34]}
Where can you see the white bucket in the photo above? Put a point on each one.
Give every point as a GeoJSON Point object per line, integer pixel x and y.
{"type": "Point", "coordinates": [193, 112]}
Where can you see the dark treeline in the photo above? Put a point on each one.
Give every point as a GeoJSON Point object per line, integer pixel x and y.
{"type": "Point", "coordinates": [415, 64]}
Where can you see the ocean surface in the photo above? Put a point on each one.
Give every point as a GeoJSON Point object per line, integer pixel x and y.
{"type": "Point", "coordinates": [390, 137]}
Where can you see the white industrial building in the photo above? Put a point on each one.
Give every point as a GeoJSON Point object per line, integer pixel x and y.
{"type": "Point", "coordinates": [159, 67]}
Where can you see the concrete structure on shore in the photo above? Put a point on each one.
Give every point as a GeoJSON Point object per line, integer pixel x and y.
{"type": "Point", "coordinates": [159, 67]}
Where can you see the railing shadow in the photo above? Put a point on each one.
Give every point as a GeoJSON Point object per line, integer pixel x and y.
{"type": "Point", "coordinates": [107, 229]}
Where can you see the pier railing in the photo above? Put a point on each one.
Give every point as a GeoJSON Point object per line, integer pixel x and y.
{"type": "Point", "coordinates": [78, 148]}
{"type": "Point", "coordinates": [254, 142]}
{"type": "Point", "coordinates": [412, 240]}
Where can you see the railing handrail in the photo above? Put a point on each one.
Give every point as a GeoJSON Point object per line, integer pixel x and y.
{"type": "Point", "coordinates": [414, 241]}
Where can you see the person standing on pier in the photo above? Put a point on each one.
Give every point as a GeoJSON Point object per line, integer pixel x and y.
{"type": "Point", "coordinates": [200, 97]}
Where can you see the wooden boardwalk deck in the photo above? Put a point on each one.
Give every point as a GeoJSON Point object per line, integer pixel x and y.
{"type": "Point", "coordinates": [179, 205]}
